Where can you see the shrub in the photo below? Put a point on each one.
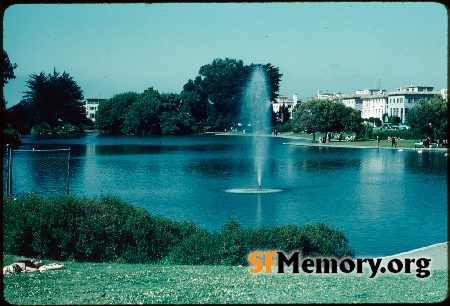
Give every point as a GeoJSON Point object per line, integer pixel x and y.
{"type": "Point", "coordinates": [39, 129]}
{"type": "Point", "coordinates": [403, 134]}
{"type": "Point", "coordinates": [285, 127]}
{"type": "Point", "coordinates": [11, 137]}
{"type": "Point", "coordinates": [233, 244]}
{"type": "Point", "coordinates": [367, 131]}
{"type": "Point", "coordinates": [66, 227]}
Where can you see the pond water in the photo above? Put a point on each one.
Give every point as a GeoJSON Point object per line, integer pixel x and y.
{"type": "Point", "coordinates": [385, 201]}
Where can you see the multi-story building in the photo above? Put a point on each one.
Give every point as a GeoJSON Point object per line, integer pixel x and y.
{"type": "Point", "coordinates": [350, 100]}
{"type": "Point", "coordinates": [376, 102]}
{"type": "Point", "coordinates": [91, 105]}
{"type": "Point", "coordinates": [324, 96]}
{"type": "Point", "coordinates": [404, 98]}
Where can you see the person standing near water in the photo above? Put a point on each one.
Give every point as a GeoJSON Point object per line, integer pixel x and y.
{"type": "Point", "coordinates": [378, 141]}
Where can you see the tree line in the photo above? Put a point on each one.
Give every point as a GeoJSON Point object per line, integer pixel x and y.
{"type": "Point", "coordinates": [212, 100]}
{"type": "Point", "coordinates": [53, 103]}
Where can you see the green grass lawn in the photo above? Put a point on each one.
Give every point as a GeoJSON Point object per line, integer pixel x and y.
{"type": "Point", "coordinates": [368, 143]}
{"type": "Point", "coordinates": [112, 283]}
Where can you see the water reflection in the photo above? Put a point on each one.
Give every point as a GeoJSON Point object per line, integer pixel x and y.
{"type": "Point", "coordinates": [385, 201]}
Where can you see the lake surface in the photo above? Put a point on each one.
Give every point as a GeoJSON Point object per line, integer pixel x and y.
{"type": "Point", "coordinates": [385, 201]}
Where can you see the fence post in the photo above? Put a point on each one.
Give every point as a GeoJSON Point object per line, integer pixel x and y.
{"type": "Point", "coordinates": [9, 180]}
{"type": "Point", "coordinates": [68, 172]}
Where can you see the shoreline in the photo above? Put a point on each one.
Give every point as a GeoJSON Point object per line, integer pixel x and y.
{"type": "Point", "coordinates": [332, 144]}
{"type": "Point", "coordinates": [438, 253]}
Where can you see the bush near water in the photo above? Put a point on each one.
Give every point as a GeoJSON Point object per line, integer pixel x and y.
{"type": "Point", "coordinates": [66, 227]}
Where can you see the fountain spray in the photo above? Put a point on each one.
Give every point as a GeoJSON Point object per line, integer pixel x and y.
{"type": "Point", "coordinates": [257, 107]}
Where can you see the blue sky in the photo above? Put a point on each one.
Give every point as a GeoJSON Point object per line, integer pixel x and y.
{"type": "Point", "coordinates": [336, 47]}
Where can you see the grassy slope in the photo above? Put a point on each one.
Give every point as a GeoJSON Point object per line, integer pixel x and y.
{"type": "Point", "coordinates": [106, 283]}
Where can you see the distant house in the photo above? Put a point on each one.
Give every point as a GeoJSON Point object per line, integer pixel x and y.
{"type": "Point", "coordinates": [91, 105]}
{"type": "Point", "coordinates": [290, 103]}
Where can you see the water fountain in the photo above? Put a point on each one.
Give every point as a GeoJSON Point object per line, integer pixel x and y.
{"type": "Point", "coordinates": [257, 110]}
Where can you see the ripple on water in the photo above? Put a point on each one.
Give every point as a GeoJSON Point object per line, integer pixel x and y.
{"type": "Point", "coordinates": [252, 190]}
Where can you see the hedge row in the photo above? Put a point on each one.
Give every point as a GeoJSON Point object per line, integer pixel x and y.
{"type": "Point", "coordinates": [108, 230]}
{"type": "Point", "coordinates": [403, 134]}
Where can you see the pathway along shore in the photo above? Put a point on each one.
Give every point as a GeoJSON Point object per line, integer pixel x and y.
{"type": "Point", "coordinates": [332, 144]}
{"type": "Point", "coordinates": [438, 253]}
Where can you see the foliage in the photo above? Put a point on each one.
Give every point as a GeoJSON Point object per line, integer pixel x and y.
{"type": "Point", "coordinates": [213, 99]}
{"type": "Point", "coordinates": [219, 88]}
{"type": "Point", "coordinates": [325, 116]}
{"type": "Point", "coordinates": [70, 228]}
{"type": "Point", "coordinates": [367, 131]}
{"type": "Point", "coordinates": [11, 136]}
{"type": "Point", "coordinates": [111, 113]}
{"type": "Point", "coordinates": [374, 121]}
{"type": "Point", "coordinates": [45, 128]}
{"type": "Point", "coordinates": [149, 113]}
{"type": "Point", "coordinates": [66, 227]}
{"type": "Point", "coordinates": [395, 120]}
{"type": "Point", "coordinates": [20, 117]}
{"type": "Point", "coordinates": [54, 99]}
{"type": "Point", "coordinates": [429, 118]}
{"type": "Point", "coordinates": [223, 81]}
{"type": "Point", "coordinates": [287, 127]}
{"type": "Point", "coordinates": [402, 134]}
{"type": "Point", "coordinates": [283, 114]}
{"type": "Point", "coordinates": [141, 117]}
{"type": "Point", "coordinates": [232, 245]}
{"type": "Point", "coordinates": [8, 69]}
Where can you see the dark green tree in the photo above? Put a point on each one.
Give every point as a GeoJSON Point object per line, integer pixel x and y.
{"type": "Point", "coordinates": [195, 102]}
{"type": "Point", "coordinates": [142, 116]}
{"type": "Point", "coordinates": [223, 81]}
{"type": "Point", "coordinates": [20, 117]}
{"type": "Point", "coordinates": [10, 134]}
{"type": "Point", "coordinates": [175, 117]}
{"type": "Point", "coordinates": [220, 86]}
{"type": "Point", "coordinates": [8, 74]}
{"type": "Point", "coordinates": [8, 69]}
{"type": "Point", "coordinates": [283, 114]}
{"type": "Point", "coordinates": [112, 113]}
{"type": "Point", "coordinates": [429, 118]}
{"type": "Point", "coordinates": [55, 99]}
{"type": "Point", "coordinates": [325, 116]}
{"type": "Point", "coordinates": [307, 117]}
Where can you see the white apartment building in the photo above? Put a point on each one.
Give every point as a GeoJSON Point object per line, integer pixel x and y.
{"type": "Point", "coordinates": [376, 102]}
{"type": "Point", "coordinates": [290, 103]}
{"type": "Point", "coordinates": [444, 93]}
{"type": "Point", "coordinates": [91, 105]}
{"type": "Point", "coordinates": [352, 100]}
{"type": "Point", "coordinates": [404, 98]}
{"type": "Point", "coordinates": [324, 96]}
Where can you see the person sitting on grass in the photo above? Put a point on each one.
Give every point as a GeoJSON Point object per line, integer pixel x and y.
{"type": "Point", "coordinates": [23, 266]}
